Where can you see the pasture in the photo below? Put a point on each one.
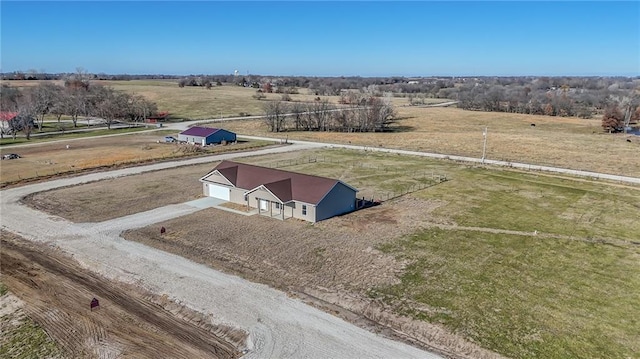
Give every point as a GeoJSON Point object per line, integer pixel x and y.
{"type": "Point", "coordinates": [200, 103]}
{"type": "Point", "coordinates": [44, 160]}
{"type": "Point", "coordinates": [524, 264]}
{"type": "Point", "coordinates": [555, 141]}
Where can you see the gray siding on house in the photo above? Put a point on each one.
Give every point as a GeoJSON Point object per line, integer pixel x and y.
{"type": "Point", "coordinates": [216, 178]}
{"type": "Point", "coordinates": [340, 199]}
{"type": "Point", "coordinates": [311, 212]}
{"type": "Point", "coordinates": [237, 196]}
{"type": "Point", "coordinates": [260, 194]}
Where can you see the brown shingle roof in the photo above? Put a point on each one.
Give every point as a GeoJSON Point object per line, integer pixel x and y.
{"type": "Point", "coordinates": [284, 184]}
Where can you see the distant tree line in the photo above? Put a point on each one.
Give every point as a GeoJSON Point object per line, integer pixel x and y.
{"type": "Point", "coordinates": [584, 97]}
{"type": "Point", "coordinates": [367, 114]}
{"type": "Point", "coordinates": [76, 98]}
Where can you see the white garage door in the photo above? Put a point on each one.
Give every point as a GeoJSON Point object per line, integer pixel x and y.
{"type": "Point", "coordinates": [219, 192]}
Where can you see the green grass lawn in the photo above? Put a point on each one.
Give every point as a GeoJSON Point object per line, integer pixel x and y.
{"type": "Point", "coordinates": [54, 137]}
{"type": "Point", "coordinates": [529, 202]}
{"type": "Point", "coordinates": [524, 297]}
{"type": "Point", "coordinates": [572, 291]}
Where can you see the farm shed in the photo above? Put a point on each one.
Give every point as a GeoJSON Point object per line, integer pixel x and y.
{"type": "Point", "coordinates": [278, 193]}
{"type": "Point", "coordinates": [205, 135]}
{"type": "Point", "coordinates": [6, 118]}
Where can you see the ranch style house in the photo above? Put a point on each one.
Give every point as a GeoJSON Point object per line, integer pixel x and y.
{"type": "Point", "coordinates": [206, 136]}
{"type": "Point", "coordinates": [278, 193]}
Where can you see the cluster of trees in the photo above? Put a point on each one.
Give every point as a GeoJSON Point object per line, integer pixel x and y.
{"type": "Point", "coordinates": [368, 114]}
{"type": "Point", "coordinates": [621, 113]}
{"type": "Point", "coordinates": [76, 98]}
{"type": "Point", "coordinates": [42, 75]}
{"type": "Point", "coordinates": [202, 81]}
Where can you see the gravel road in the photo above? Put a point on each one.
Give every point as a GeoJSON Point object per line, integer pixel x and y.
{"type": "Point", "coordinates": [278, 326]}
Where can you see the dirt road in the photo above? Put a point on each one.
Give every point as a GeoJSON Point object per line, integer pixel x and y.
{"type": "Point", "coordinates": [127, 324]}
{"type": "Point", "coordinates": [278, 326]}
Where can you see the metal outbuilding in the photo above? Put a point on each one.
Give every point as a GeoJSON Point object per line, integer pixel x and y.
{"type": "Point", "coordinates": [206, 135]}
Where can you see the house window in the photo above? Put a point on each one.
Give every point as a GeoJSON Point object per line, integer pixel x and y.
{"type": "Point", "coordinates": [304, 209]}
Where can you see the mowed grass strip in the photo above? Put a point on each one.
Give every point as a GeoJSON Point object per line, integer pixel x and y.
{"type": "Point", "coordinates": [8, 140]}
{"type": "Point", "coordinates": [524, 297]}
{"type": "Point", "coordinates": [530, 202]}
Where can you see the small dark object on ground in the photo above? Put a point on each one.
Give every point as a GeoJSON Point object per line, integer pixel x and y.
{"type": "Point", "coordinates": [628, 140]}
{"type": "Point", "coordinates": [163, 230]}
{"type": "Point", "coordinates": [533, 125]}
{"type": "Point", "coordinates": [10, 156]}
{"type": "Point", "coordinates": [94, 303]}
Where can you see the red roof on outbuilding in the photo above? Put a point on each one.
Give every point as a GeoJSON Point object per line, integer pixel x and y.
{"type": "Point", "coordinates": [7, 116]}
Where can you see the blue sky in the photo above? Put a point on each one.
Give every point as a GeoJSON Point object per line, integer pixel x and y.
{"type": "Point", "coordinates": [323, 38]}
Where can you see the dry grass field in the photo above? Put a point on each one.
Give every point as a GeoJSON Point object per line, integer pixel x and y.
{"type": "Point", "coordinates": [523, 264]}
{"type": "Point", "coordinates": [200, 103]}
{"type": "Point", "coordinates": [555, 141]}
{"type": "Point", "coordinates": [50, 159]}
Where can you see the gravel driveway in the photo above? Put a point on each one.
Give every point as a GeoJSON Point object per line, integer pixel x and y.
{"type": "Point", "coordinates": [278, 326]}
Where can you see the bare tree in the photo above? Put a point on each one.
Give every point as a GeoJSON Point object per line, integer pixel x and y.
{"type": "Point", "coordinates": [319, 113]}
{"type": "Point", "coordinates": [275, 115]}
{"type": "Point", "coordinates": [43, 98]}
{"type": "Point", "coordinates": [110, 105]}
{"type": "Point", "coordinates": [297, 110]}
{"type": "Point", "coordinates": [9, 97]}
{"type": "Point", "coordinates": [138, 107]}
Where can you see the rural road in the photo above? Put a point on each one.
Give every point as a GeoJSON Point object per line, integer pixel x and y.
{"type": "Point", "coordinates": [523, 166]}
{"type": "Point", "coordinates": [278, 326]}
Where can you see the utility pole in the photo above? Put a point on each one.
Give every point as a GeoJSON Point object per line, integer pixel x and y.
{"type": "Point", "coordinates": [484, 146]}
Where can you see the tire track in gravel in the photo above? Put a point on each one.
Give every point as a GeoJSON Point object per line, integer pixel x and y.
{"type": "Point", "coordinates": [125, 322]}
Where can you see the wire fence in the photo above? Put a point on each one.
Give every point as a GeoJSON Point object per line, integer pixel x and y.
{"type": "Point", "coordinates": [418, 181]}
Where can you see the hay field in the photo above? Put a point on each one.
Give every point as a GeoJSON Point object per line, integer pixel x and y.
{"type": "Point", "coordinates": [568, 142]}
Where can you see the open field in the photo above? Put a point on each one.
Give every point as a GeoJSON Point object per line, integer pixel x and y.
{"type": "Point", "coordinates": [522, 296]}
{"type": "Point", "coordinates": [199, 103]}
{"type": "Point", "coordinates": [47, 137]}
{"type": "Point", "coordinates": [47, 159]}
{"type": "Point", "coordinates": [554, 141]}
{"type": "Point", "coordinates": [554, 254]}
{"type": "Point", "coordinates": [129, 322]}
